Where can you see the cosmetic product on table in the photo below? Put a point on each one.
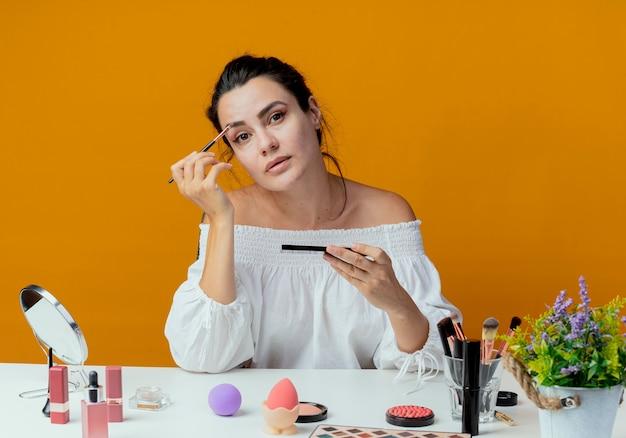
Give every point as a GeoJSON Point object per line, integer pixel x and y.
{"type": "Point", "coordinates": [471, 386]}
{"type": "Point", "coordinates": [115, 403]}
{"type": "Point", "coordinates": [410, 416]}
{"type": "Point", "coordinates": [59, 395]}
{"type": "Point", "coordinates": [505, 418]}
{"type": "Point", "coordinates": [506, 398]}
{"type": "Point", "coordinates": [311, 412]}
{"type": "Point", "coordinates": [149, 398]}
{"type": "Point", "coordinates": [281, 409]}
{"type": "Point", "coordinates": [225, 399]}
{"type": "Point", "coordinates": [94, 412]}
{"type": "Point", "coordinates": [331, 430]}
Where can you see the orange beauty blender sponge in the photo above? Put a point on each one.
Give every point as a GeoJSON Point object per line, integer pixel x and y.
{"type": "Point", "coordinates": [282, 395]}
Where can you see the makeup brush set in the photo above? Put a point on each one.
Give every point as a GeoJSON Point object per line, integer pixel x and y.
{"type": "Point", "coordinates": [473, 370]}
{"type": "Point", "coordinates": [452, 337]}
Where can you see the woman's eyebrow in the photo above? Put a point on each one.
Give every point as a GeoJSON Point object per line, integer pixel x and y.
{"type": "Point", "coordinates": [261, 113]}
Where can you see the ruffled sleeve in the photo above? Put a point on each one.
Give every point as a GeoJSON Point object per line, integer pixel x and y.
{"type": "Point", "coordinates": [420, 279]}
{"type": "Point", "coordinates": [205, 335]}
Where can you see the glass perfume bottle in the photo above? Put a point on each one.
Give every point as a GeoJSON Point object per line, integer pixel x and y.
{"type": "Point", "coordinates": [94, 413]}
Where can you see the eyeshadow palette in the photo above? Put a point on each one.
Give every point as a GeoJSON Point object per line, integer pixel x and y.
{"type": "Point", "coordinates": [333, 431]}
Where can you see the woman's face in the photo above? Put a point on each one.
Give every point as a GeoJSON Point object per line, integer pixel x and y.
{"type": "Point", "coordinates": [270, 135]}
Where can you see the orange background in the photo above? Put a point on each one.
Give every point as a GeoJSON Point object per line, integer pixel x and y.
{"type": "Point", "coordinates": [502, 123]}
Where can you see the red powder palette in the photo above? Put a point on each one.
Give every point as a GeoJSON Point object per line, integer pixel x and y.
{"type": "Point", "coordinates": [410, 416]}
{"type": "Point", "coordinates": [333, 431]}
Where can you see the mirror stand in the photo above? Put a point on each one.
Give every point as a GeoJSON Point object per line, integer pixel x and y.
{"type": "Point", "coordinates": [76, 382]}
{"type": "Point", "coordinates": [56, 332]}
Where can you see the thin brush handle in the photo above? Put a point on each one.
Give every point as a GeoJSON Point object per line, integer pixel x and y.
{"type": "Point", "coordinates": [208, 145]}
{"type": "Point", "coordinates": [458, 330]}
{"type": "Point", "coordinates": [487, 349]}
{"type": "Point", "coordinates": [505, 344]}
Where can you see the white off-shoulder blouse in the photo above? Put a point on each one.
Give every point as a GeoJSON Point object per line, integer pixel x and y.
{"type": "Point", "coordinates": [293, 310]}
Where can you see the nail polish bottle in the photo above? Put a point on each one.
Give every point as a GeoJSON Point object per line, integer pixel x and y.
{"type": "Point", "coordinates": [114, 394]}
{"type": "Point", "coordinates": [94, 414]}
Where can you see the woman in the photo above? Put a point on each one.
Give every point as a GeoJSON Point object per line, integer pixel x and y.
{"type": "Point", "coordinates": [245, 299]}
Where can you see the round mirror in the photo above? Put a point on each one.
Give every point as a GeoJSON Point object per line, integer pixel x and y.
{"type": "Point", "coordinates": [53, 325]}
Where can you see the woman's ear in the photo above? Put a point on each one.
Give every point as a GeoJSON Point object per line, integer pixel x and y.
{"type": "Point", "coordinates": [315, 112]}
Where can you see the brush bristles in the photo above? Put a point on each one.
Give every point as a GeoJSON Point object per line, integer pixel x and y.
{"type": "Point", "coordinates": [515, 323]}
{"type": "Point", "coordinates": [490, 328]}
{"type": "Point", "coordinates": [447, 326]}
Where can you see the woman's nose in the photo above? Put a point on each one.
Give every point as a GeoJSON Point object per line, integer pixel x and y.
{"type": "Point", "coordinates": [267, 143]}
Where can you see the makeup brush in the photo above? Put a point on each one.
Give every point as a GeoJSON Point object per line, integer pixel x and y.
{"type": "Point", "coordinates": [515, 323]}
{"type": "Point", "coordinates": [490, 329]}
{"type": "Point", "coordinates": [458, 329]}
{"type": "Point", "coordinates": [209, 144]}
{"type": "Point", "coordinates": [446, 329]}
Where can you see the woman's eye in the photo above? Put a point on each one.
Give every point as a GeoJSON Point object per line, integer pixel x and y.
{"type": "Point", "coordinates": [276, 116]}
{"type": "Point", "coordinates": [241, 137]}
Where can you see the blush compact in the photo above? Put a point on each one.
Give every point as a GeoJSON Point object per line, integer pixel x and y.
{"type": "Point", "coordinates": [410, 416]}
{"type": "Point", "coordinates": [311, 412]}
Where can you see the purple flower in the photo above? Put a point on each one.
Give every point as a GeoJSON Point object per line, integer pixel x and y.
{"type": "Point", "coordinates": [624, 319]}
{"type": "Point", "coordinates": [572, 369]}
{"type": "Point", "coordinates": [577, 323]}
{"type": "Point", "coordinates": [545, 337]}
{"type": "Point", "coordinates": [560, 307]}
{"type": "Point", "coordinates": [584, 294]}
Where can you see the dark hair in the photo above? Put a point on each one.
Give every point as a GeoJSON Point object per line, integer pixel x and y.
{"type": "Point", "coordinates": [240, 70]}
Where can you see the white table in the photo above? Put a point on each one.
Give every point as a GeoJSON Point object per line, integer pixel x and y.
{"type": "Point", "coordinates": [353, 397]}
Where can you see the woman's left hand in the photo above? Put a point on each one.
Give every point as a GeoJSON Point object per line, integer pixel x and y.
{"type": "Point", "coordinates": [374, 278]}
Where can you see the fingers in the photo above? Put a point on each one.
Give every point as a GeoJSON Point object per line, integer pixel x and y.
{"type": "Point", "coordinates": [346, 268]}
{"type": "Point", "coordinates": [177, 169]}
{"type": "Point", "coordinates": [372, 252]}
{"type": "Point", "coordinates": [186, 169]}
{"type": "Point", "coordinates": [189, 165]}
{"type": "Point", "coordinates": [200, 164]}
{"type": "Point", "coordinates": [211, 178]}
{"type": "Point", "coordinates": [350, 257]}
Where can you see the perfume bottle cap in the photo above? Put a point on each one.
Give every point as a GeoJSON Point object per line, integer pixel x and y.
{"type": "Point", "coordinates": [94, 391]}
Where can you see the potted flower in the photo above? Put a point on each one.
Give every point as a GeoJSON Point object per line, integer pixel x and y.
{"type": "Point", "coordinates": [571, 362]}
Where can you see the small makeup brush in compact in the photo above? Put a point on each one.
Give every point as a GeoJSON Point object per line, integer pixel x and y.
{"type": "Point", "coordinates": [515, 323]}
{"type": "Point", "coordinates": [490, 329]}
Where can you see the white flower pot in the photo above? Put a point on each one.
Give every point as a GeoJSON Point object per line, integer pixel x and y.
{"type": "Point", "coordinates": [594, 417]}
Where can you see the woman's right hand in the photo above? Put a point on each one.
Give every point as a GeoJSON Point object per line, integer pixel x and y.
{"type": "Point", "coordinates": [189, 174]}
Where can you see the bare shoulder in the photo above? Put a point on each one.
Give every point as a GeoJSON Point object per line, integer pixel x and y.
{"type": "Point", "coordinates": [374, 206]}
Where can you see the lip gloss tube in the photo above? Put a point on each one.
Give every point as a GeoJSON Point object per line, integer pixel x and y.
{"type": "Point", "coordinates": [115, 406]}
{"type": "Point", "coordinates": [94, 415]}
{"type": "Point", "coordinates": [59, 396]}
{"type": "Point", "coordinates": [471, 386]}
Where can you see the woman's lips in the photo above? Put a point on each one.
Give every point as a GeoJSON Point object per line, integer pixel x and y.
{"type": "Point", "coordinates": [279, 167]}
